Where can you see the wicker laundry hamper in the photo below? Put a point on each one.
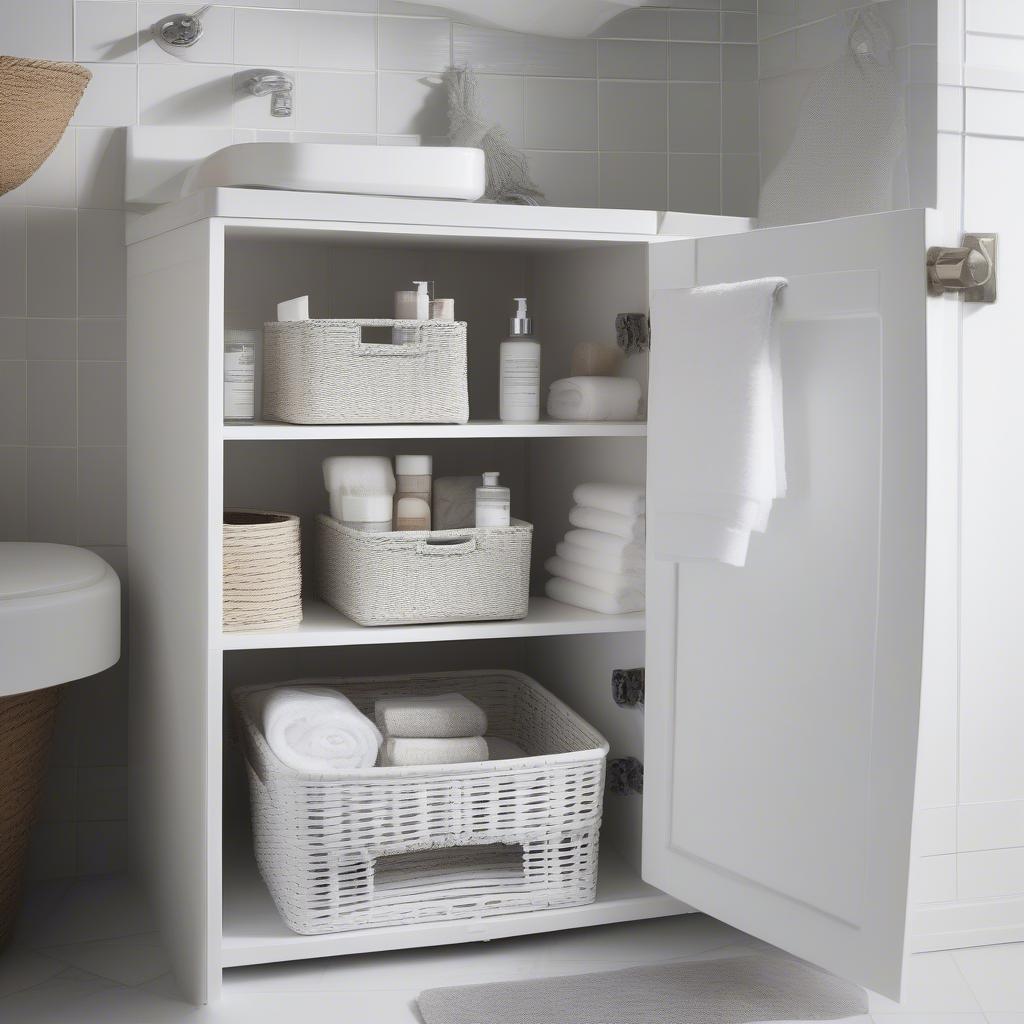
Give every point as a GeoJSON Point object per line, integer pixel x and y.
{"type": "Point", "coordinates": [37, 99]}
{"type": "Point", "coordinates": [26, 728]}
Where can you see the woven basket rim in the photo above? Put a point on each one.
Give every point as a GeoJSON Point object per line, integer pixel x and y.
{"type": "Point", "coordinates": [389, 538]}
{"type": "Point", "coordinates": [364, 322]}
{"type": "Point", "coordinates": [240, 697]}
{"type": "Point", "coordinates": [55, 66]}
{"type": "Point", "coordinates": [274, 519]}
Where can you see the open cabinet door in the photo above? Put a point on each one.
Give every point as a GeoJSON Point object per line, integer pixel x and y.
{"type": "Point", "coordinates": [783, 697]}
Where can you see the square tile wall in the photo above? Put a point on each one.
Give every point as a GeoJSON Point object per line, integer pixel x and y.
{"type": "Point", "coordinates": [635, 117]}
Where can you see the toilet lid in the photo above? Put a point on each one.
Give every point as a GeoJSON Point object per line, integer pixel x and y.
{"type": "Point", "coordinates": [32, 570]}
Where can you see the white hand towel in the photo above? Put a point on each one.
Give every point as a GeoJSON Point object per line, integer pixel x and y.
{"type": "Point", "coordinates": [624, 587]}
{"type": "Point", "coordinates": [622, 498]}
{"type": "Point", "coordinates": [594, 600]}
{"type": "Point", "coordinates": [603, 560]}
{"type": "Point", "coordinates": [408, 753]}
{"type": "Point", "coordinates": [318, 729]}
{"type": "Point", "coordinates": [627, 527]}
{"type": "Point", "coordinates": [631, 552]}
{"type": "Point", "coordinates": [502, 750]}
{"type": "Point", "coordinates": [443, 716]}
{"type": "Point", "coordinates": [716, 402]}
{"type": "Point", "coordinates": [356, 474]}
{"type": "Point", "coordinates": [594, 398]}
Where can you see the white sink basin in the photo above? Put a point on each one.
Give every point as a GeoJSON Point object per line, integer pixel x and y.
{"type": "Point", "coordinates": [419, 171]}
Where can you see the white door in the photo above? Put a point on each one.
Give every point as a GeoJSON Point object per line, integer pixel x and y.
{"type": "Point", "coordinates": [783, 697]}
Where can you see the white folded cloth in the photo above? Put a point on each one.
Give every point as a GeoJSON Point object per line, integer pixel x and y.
{"type": "Point", "coordinates": [631, 552]}
{"type": "Point", "coordinates": [444, 716]}
{"type": "Point", "coordinates": [356, 474]}
{"type": "Point", "coordinates": [594, 398]}
{"type": "Point", "coordinates": [403, 752]}
{"type": "Point", "coordinates": [625, 499]}
{"type": "Point", "coordinates": [502, 750]}
{"type": "Point", "coordinates": [624, 587]}
{"type": "Point", "coordinates": [716, 391]}
{"type": "Point", "coordinates": [606, 561]}
{"type": "Point", "coordinates": [594, 600]}
{"type": "Point", "coordinates": [318, 729]}
{"type": "Point", "coordinates": [627, 527]}
{"type": "Point", "coordinates": [454, 502]}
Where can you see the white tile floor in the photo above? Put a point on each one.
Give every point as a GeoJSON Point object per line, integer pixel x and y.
{"type": "Point", "coordinates": [85, 953]}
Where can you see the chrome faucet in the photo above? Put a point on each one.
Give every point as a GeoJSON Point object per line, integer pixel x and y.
{"type": "Point", "coordinates": [277, 85]}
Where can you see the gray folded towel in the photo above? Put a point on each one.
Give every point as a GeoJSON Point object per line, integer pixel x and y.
{"type": "Point", "coordinates": [455, 502]}
{"type": "Point", "coordinates": [442, 717]}
{"type": "Point", "coordinates": [409, 753]}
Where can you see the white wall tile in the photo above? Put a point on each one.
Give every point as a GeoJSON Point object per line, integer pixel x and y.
{"type": "Point", "coordinates": [741, 185]}
{"type": "Point", "coordinates": [995, 112]}
{"type": "Point", "coordinates": [41, 28]}
{"type": "Point", "coordinates": [503, 102]}
{"type": "Point", "coordinates": [103, 847]}
{"type": "Point", "coordinates": [52, 285]}
{"type": "Point", "coordinates": [13, 402]}
{"type": "Point", "coordinates": [695, 26]}
{"type": "Point", "coordinates": [101, 263]}
{"type": "Point", "coordinates": [998, 17]}
{"type": "Point", "coordinates": [493, 51]}
{"type": "Point", "coordinates": [14, 493]}
{"type": "Point", "coordinates": [106, 30]}
{"type": "Point", "coordinates": [414, 44]}
{"type": "Point", "coordinates": [636, 24]}
{"type": "Point", "coordinates": [990, 826]}
{"type": "Point", "coordinates": [933, 879]}
{"type": "Point", "coordinates": [348, 6]}
{"type": "Point", "coordinates": [632, 117]}
{"type": "Point", "coordinates": [337, 41]}
{"type": "Point", "coordinates": [102, 491]}
{"type": "Point", "coordinates": [102, 338]}
{"type": "Point", "coordinates": [739, 63]}
{"type": "Point", "coordinates": [111, 98]}
{"type": "Point", "coordinates": [569, 58]}
{"type": "Point", "coordinates": [189, 94]}
{"type": "Point", "coordinates": [566, 179]}
{"type": "Point", "coordinates": [101, 702]}
{"type": "Point", "coordinates": [100, 168]}
{"type": "Point", "coordinates": [54, 183]}
{"type": "Point", "coordinates": [561, 113]}
{"type": "Point", "coordinates": [13, 343]}
{"type": "Point", "coordinates": [694, 183]}
{"type": "Point", "coordinates": [52, 402]}
{"type": "Point", "coordinates": [739, 117]}
{"type": "Point", "coordinates": [633, 59]}
{"type": "Point", "coordinates": [336, 102]}
{"type": "Point", "coordinates": [47, 338]}
{"type": "Point", "coordinates": [103, 793]}
{"type": "Point", "coordinates": [268, 38]}
{"type": "Point", "coordinates": [215, 45]}
{"type": "Point", "coordinates": [634, 181]}
{"type": "Point", "coordinates": [739, 28]}
{"type": "Point", "coordinates": [990, 873]}
{"type": "Point", "coordinates": [695, 118]}
{"type": "Point", "coordinates": [53, 495]}
{"type": "Point", "coordinates": [52, 850]}
{"type": "Point", "coordinates": [695, 62]}
{"type": "Point", "coordinates": [101, 406]}
{"type": "Point", "coordinates": [13, 260]}
{"type": "Point", "coordinates": [412, 105]}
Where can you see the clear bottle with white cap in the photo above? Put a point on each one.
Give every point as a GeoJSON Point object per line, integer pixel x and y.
{"type": "Point", "coordinates": [519, 383]}
{"type": "Point", "coordinates": [412, 495]}
{"type": "Point", "coordinates": [493, 503]}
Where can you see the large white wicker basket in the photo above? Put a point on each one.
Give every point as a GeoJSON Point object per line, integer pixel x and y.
{"type": "Point", "coordinates": [389, 579]}
{"type": "Point", "coordinates": [321, 371]}
{"type": "Point", "coordinates": [385, 846]}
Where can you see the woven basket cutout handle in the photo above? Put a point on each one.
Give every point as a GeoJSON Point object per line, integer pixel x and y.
{"type": "Point", "coordinates": [410, 349]}
{"type": "Point", "coordinates": [442, 548]}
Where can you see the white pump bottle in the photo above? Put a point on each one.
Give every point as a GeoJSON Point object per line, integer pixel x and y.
{"type": "Point", "coordinates": [520, 371]}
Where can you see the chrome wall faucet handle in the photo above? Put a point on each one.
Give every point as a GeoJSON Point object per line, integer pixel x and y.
{"type": "Point", "coordinates": [179, 30]}
{"type": "Point", "coordinates": [275, 84]}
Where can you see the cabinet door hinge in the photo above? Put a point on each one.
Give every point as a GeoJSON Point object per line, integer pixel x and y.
{"type": "Point", "coordinates": [625, 776]}
{"type": "Point", "coordinates": [628, 687]}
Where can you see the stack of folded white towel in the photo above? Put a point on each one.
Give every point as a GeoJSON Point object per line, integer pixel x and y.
{"type": "Point", "coordinates": [445, 729]}
{"type": "Point", "coordinates": [600, 565]}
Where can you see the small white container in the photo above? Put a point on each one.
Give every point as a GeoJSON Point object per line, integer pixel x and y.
{"type": "Point", "coordinates": [493, 503]}
{"type": "Point", "coordinates": [519, 383]}
{"type": "Point", "coordinates": [411, 305]}
{"type": "Point", "coordinates": [370, 513]}
{"type": "Point", "coordinates": [240, 353]}
{"type": "Point", "coordinates": [413, 476]}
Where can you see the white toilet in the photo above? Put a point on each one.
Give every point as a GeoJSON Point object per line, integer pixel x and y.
{"type": "Point", "coordinates": [60, 619]}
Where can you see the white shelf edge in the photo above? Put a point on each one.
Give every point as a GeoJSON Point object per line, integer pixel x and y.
{"type": "Point", "coordinates": [475, 428]}
{"type": "Point", "coordinates": [322, 626]}
{"type": "Point", "coordinates": [253, 933]}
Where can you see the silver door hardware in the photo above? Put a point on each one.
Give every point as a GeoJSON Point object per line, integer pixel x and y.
{"type": "Point", "coordinates": [179, 30]}
{"type": "Point", "coordinates": [969, 269]}
{"type": "Point", "coordinates": [625, 776]}
{"type": "Point", "coordinates": [628, 687]}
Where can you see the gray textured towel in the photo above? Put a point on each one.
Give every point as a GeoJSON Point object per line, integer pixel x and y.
{"type": "Point", "coordinates": [445, 716]}
{"type": "Point", "coordinates": [726, 991]}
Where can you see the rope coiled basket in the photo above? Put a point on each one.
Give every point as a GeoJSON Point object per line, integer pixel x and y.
{"type": "Point", "coordinates": [321, 371]}
{"type": "Point", "coordinates": [386, 846]}
{"type": "Point", "coordinates": [262, 570]}
{"type": "Point", "coordinates": [37, 100]}
{"type": "Point", "coordinates": [392, 579]}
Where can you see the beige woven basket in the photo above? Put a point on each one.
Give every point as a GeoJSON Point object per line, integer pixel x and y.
{"type": "Point", "coordinates": [262, 570]}
{"type": "Point", "coordinates": [387, 846]}
{"type": "Point", "coordinates": [390, 579]}
{"type": "Point", "coordinates": [37, 100]}
{"type": "Point", "coordinates": [321, 371]}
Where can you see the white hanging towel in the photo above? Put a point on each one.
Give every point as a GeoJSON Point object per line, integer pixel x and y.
{"type": "Point", "coordinates": [718, 461]}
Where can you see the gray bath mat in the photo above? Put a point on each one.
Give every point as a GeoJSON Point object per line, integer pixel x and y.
{"type": "Point", "coordinates": [728, 991]}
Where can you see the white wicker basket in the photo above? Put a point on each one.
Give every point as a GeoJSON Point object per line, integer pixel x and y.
{"type": "Point", "coordinates": [385, 846]}
{"type": "Point", "coordinates": [262, 570]}
{"type": "Point", "coordinates": [390, 579]}
{"type": "Point", "coordinates": [321, 371]}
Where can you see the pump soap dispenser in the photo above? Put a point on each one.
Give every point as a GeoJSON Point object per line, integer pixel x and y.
{"type": "Point", "coordinates": [520, 371]}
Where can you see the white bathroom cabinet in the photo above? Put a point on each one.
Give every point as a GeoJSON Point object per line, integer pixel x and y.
{"type": "Point", "coordinates": [780, 732]}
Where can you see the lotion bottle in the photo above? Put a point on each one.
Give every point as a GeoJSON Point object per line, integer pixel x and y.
{"type": "Point", "coordinates": [493, 503]}
{"type": "Point", "coordinates": [520, 371]}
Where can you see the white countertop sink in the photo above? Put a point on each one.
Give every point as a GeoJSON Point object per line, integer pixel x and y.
{"type": "Point", "coordinates": [422, 172]}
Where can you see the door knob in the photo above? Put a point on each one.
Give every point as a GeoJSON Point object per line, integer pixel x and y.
{"type": "Point", "coordinates": [969, 269]}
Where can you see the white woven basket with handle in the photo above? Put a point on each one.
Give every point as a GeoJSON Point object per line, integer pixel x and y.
{"type": "Point", "coordinates": [385, 846]}
{"type": "Point", "coordinates": [390, 579]}
{"type": "Point", "coordinates": [322, 371]}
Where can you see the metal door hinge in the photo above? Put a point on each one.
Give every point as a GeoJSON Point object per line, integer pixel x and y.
{"type": "Point", "coordinates": [628, 687]}
{"type": "Point", "coordinates": [625, 776]}
{"type": "Point", "coordinates": [969, 270]}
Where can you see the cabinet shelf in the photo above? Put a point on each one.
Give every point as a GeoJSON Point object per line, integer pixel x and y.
{"type": "Point", "coordinates": [263, 431]}
{"type": "Point", "coordinates": [322, 626]}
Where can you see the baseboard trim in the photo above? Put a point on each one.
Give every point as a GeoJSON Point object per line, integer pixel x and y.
{"type": "Point", "coordinates": [963, 923]}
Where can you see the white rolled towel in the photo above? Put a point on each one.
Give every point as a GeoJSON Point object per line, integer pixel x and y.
{"type": "Point", "coordinates": [606, 561]}
{"type": "Point", "coordinates": [593, 600]}
{"type": "Point", "coordinates": [404, 752]}
{"type": "Point", "coordinates": [356, 474]}
{"type": "Point", "coordinates": [625, 499]}
{"type": "Point", "coordinates": [632, 528]}
{"type": "Point", "coordinates": [624, 587]}
{"type": "Point", "coordinates": [318, 729]}
{"type": "Point", "coordinates": [443, 716]}
{"type": "Point", "coordinates": [594, 398]}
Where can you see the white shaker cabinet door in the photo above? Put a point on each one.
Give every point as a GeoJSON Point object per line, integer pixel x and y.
{"type": "Point", "coordinates": [783, 697]}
